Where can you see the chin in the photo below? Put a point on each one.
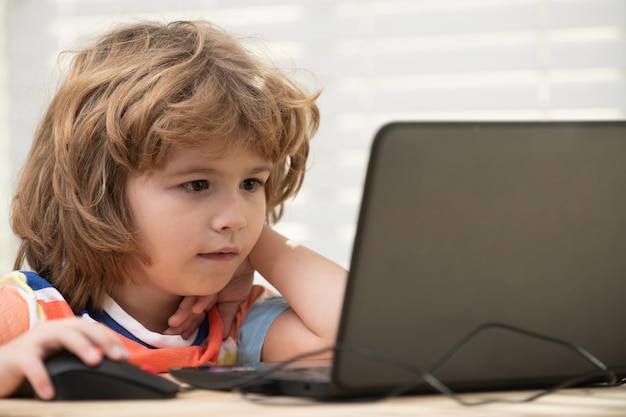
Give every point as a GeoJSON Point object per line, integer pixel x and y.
{"type": "Point", "coordinates": [214, 289]}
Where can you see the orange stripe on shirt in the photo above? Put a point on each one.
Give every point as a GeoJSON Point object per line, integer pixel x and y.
{"type": "Point", "coordinates": [162, 359]}
{"type": "Point", "coordinates": [56, 309]}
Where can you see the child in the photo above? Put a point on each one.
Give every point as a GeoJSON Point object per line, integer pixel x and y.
{"type": "Point", "coordinates": [154, 177]}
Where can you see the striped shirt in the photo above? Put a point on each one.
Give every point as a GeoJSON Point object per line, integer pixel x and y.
{"type": "Point", "coordinates": [26, 300]}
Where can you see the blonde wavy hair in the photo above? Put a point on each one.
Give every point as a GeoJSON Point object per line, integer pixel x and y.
{"type": "Point", "coordinates": [138, 92]}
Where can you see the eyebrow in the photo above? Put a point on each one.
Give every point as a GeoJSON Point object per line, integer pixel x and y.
{"type": "Point", "coordinates": [261, 169]}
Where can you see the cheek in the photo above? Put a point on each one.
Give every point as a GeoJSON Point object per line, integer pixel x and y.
{"type": "Point", "coordinates": [260, 212]}
{"type": "Point", "coordinates": [159, 228]}
{"type": "Point", "coordinates": [255, 215]}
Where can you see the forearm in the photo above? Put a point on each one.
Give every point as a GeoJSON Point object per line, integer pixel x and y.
{"type": "Point", "coordinates": [312, 284]}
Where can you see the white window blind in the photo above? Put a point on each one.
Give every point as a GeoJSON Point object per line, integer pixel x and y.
{"type": "Point", "coordinates": [376, 61]}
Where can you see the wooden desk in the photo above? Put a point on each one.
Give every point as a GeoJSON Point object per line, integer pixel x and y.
{"type": "Point", "coordinates": [572, 403]}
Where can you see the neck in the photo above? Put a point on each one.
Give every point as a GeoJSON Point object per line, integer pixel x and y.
{"type": "Point", "coordinates": [149, 309]}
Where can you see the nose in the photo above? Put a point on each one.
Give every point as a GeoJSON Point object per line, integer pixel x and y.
{"type": "Point", "coordinates": [230, 214]}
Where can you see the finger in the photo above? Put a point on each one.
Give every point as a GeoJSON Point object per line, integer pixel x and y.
{"type": "Point", "coordinates": [188, 327]}
{"type": "Point", "coordinates": [192, 324]}
{"type": "Point", "coordinates": [109, 341]}
{"type": "Point", "coordinates": [77, 343]}
{"type": "Point", "coordinates": [184, 309]}
{"type": "Point", "coordinates": [203, 303]}
{"type": "Point", "coordinates": [189, 315]}
{"type": "Point", "coordinates": [39, 380]}
{"type": "Point", "coordinates": [85, 339]}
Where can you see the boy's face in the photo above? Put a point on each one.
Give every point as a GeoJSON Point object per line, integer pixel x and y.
{"type": "Point", "coordinates": [198, 218]}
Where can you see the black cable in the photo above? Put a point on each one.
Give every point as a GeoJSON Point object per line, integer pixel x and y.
{"type": "Point", "coordinates": [577, 349]}
{"type": "Point", "coordinates": [246, 383]}
{"type": "Point", "coordinates": [428, 378]}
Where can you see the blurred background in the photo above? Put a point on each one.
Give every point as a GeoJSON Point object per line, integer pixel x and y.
{"type": "Point", "coordinates": [376, 61]}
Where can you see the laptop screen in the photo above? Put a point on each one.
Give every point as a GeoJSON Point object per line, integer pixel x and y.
{"type": "Point", "coordinates": [466, 223]}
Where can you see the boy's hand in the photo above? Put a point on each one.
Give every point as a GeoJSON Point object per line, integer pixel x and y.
{"type": "Point", "coordinates": [192, 309]}
{"type": "Point", "coordinates": [23, 357]}
{"type": "Point", "coordinates": [235, 293]}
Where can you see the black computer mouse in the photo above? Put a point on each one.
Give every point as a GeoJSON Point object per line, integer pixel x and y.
{"type": "Point", "coordinates": [110, 380]}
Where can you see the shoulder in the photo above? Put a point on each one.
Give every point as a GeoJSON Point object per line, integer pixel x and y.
{"type": "Point", "coordinates": [25, 280]}
{"type": "Point", "coordinates": [35, 295]}
{"type": "Point", "coordinates": [19, 310]}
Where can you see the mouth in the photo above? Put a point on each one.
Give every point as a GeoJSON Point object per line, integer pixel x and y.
{"type": "Point", "coordinates": [222, 254]}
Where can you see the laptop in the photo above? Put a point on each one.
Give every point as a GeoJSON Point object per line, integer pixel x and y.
{"type": "Point", "coordinates": [488, 256]}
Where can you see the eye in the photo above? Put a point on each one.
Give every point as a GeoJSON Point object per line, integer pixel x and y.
{"type": "Point", "coordinates": [252, 184]}
{"type": "Point", "coordinates": [196, 186]}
